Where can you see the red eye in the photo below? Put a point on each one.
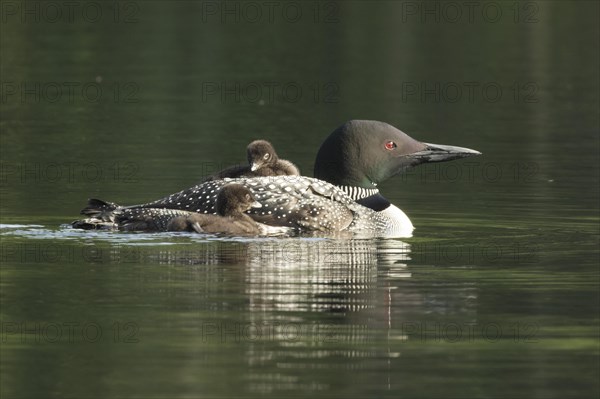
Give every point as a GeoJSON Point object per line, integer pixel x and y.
{"type": "Point", "coordinates": [390, 145]}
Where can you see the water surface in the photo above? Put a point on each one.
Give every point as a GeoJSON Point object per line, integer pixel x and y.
{"type": "Point", "coordinates": [496, 295]}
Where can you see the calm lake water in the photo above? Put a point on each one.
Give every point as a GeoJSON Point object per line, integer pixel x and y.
{"type": "Point", "coordinates": [496, 295]}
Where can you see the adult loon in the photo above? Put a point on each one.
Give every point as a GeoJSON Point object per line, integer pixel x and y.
{"type": "Point", "coordinates": [262, 161]}
{"type": "Point", "coordinates": [343, 195]}
{"type": "Point", "coordinates": [232, 201]}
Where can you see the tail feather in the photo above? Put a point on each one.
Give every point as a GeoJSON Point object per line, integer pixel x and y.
{"type": "Point", "coordinates": [100, 215]}
{"type": "Point", "coordinates": [99, 209]}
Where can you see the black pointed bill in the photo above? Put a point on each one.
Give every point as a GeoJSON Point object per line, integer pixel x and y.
{"type": "Point", "coordinates": [442, 153]}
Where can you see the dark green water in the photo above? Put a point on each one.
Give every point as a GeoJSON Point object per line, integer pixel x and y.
{"type": "Point", "coordinates": [496, 295]}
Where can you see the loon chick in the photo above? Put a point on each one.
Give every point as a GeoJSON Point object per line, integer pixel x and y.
{"type": "Point", "coordinates": [262, 161]}
{"type": "Point", "coordinates": [343, 195]}
{"type": "Point", "coordinates": [232, 201]}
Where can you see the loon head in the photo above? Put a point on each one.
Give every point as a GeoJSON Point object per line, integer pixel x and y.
{"type": "Point", "coordinates": [364, 153]}
{"type": "Point", "coordinates": [234, 199]}
{"type": "Point", "coordinates": [261, 153]}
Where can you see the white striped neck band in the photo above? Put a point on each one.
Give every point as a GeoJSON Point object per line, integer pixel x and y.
{"type": "Point", "coordinates": [357, 193]}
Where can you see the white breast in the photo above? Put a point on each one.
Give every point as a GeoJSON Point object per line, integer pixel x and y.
{"type": "Point", "coordinates": [401, 224]}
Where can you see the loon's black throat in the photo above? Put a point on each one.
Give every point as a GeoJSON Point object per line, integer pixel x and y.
{"type": "Point", "coordinates": [376, 202]}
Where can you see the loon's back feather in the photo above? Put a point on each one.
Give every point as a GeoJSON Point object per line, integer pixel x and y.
{"type": "Point", "coordinates": [294, 201]}
{"type": "Point", "coordinates": [147, 219]}
{"type": "Point", "coordinates": [299, 202]}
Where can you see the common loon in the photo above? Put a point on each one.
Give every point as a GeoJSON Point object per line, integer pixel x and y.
{"type": "Point", "coordinates": [262, 161]}
{"type": "Point", "coordinates": [343, 195]}
{"type": "Point", "coordinates": [232, 201]}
